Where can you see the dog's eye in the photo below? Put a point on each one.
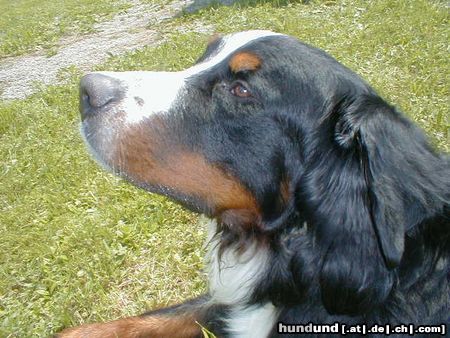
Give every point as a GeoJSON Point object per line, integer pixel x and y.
{"type": "Point", "coordinates": [240, 90]}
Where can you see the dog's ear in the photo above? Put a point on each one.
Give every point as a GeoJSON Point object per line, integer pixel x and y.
{"type": "Point", "coordinates": [373, 180]}
{"type": "Point", "coordinates": [375, 137]}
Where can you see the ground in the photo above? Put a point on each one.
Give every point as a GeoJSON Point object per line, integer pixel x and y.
{"type": "Point", "coordinates": [79, 245]}
{"type": "Point", "coordinates": [141, 25]}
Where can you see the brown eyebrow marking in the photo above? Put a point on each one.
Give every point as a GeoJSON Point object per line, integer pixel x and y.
{"type": "Point", "coordinates": [244, 61]}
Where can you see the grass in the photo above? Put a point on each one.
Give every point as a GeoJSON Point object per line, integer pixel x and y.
{"type": "Point", "coordinates": [79, 245]}
{"type": "Point", "coordinates": [30, 25]}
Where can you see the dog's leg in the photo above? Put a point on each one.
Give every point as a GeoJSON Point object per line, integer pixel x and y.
{"type": "Point", "coordinates": [179, 321]}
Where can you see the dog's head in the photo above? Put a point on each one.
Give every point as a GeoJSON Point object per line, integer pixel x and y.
{"type": "Point", "coordinates": [263, 133]}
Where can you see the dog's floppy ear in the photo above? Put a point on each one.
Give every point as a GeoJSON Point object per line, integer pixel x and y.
{"type": "Point", "coordinates": [373, 180]}
{"type": "Point", "coordinates": [374, 133]}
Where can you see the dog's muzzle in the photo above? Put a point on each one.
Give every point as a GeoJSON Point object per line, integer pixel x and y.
{"type": "Point", "coordinates": [98, 91]}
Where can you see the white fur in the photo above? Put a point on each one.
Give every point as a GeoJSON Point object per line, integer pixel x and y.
{"type": "Point", "coordinates": [229, 45]}
{"type": "Point", "coordinates": [159, 90]}
{"type": "Point", "coordinates": [232, 277]}
{"type": "Point", "coordinates": [232, 280]}
{"type": "Point", "coordinates": [254, 321]}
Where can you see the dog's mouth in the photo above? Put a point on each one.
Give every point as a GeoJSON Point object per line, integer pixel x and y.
{"type": "Point", "coordinates": [113, 108]}
{"type": "Point", "coordinates": [150, 155]}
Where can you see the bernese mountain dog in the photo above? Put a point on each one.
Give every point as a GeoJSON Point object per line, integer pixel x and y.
{"type": "Point", "coordinates": [329, 208]}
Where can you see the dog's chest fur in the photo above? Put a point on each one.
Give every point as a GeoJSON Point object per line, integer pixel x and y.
{"type": "Point", "coordinates": [232, 278]}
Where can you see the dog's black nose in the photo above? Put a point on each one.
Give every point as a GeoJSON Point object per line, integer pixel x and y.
{"type": "Point", "coordinates": [97, 90]}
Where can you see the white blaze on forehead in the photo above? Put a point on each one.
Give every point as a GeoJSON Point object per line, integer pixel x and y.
{"type": "Point", "coordinates": [230, 43]}
{"type": "Point", "coordinates": [149, 93]}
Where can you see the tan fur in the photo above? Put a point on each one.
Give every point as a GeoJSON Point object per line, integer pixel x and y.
{"type": "Point", "coordinates": [149, 160]}
{"type": "Point", "coordinates": [244, 61]}
{"type": "Point", "coordinates": [138, 327]}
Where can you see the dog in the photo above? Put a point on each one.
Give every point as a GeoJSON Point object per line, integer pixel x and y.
{"type": "Point", "coordinates": [329, 208]}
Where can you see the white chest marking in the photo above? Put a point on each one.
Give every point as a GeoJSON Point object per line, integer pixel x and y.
{"type": "Point", "coordinates": [232, 280]}
{"type": "Point", "coordinates": [253, 322]}
{"type": "Point", "coordinates": [233, 276]}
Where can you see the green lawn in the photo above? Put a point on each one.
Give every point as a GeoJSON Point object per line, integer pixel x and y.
{"type": "Point", "coordinates": [30, 25]}
{"type": "Point", "coordinates": [79, 245]}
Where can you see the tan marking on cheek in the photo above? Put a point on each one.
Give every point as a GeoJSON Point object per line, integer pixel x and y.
{"type": "Point", "coordinates": [138, 327]}
{"type": "Point", "coordinates": [242, 218]}
{"type": "Point", "coordinates": [192, 174]}
{"type": "Point", "coordinates": [244, 61]}
{"type": "Point", "coordinates": [148, 160]}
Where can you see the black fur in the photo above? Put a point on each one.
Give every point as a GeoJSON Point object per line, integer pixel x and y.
{"type": "Point", "coordinates": [371, 190]}
{"type": "Point", "coordinates": [364, 236]}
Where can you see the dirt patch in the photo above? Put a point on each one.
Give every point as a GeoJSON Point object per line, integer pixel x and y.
{"type": "Point", "coordinates": [132, 29]}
